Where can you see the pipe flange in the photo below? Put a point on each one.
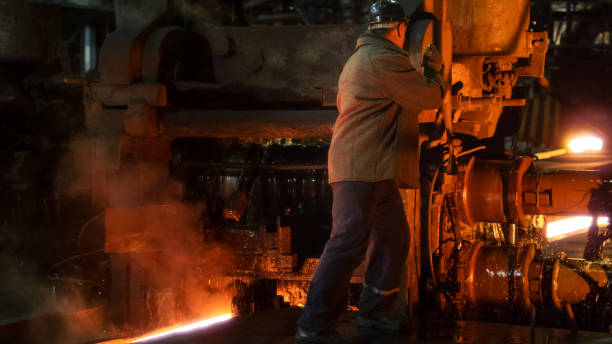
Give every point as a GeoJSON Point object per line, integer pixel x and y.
{"type": "Point", "coordinates": [468, 291]}
{"type": "Point", "coordinates": [515, 190]}
{"type": "Point", "coordinates": [524, 265]}
{"type": "Point", "coordinates": [462, 193]}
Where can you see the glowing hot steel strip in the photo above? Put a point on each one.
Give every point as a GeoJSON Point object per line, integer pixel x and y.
{"type": "Point", "coordinates": [573, 225]}
{"type": "Point", "coordinates": [173, 331]}
{"type": "Point", "coordinates": [186, 328]}
{"type": "Point", "coordinates": [586, 143]}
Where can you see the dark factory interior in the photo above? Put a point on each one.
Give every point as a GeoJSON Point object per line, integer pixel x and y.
{"type": "Point", "coordinates": [165, 175]}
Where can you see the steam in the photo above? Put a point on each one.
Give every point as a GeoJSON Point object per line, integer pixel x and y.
{"type": "Point", "coordinates": [151, 229]}
{"type": "Point", "coordinates": [182, 272]}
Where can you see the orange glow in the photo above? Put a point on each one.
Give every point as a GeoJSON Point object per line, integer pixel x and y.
{"type": "Point", "coordinates": [585, 143]}
{"type": "Point", "coordinates": [560, 229]}
{"type": "Point", "coordinates": [293, 292]}
{"type": "Point", "coordinates": [172, 330]}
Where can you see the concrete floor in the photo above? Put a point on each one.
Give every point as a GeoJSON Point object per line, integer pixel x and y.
{"type": "Point", "coordinates": [278, 326]}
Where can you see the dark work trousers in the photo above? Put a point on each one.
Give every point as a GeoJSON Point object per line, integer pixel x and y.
{"type": "Point", "coordinates": [368, 217]}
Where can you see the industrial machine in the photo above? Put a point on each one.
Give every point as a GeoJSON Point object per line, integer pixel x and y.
{"type": "Point", "coordinates": [210, 160]}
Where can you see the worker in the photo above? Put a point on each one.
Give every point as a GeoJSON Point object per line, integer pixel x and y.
{"type": "Point", "coordinates": [374, 150]}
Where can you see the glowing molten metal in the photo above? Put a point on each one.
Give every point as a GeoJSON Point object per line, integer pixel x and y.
{"type": "Point", "coordinates": [585, 143]}
{"type": "Point", "coordinates": [173, 330]}
{"type": "Point", "coordinates": [574, 225]}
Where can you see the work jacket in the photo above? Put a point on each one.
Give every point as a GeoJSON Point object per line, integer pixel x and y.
{"type": "Point", "coordinates": [380, 95]}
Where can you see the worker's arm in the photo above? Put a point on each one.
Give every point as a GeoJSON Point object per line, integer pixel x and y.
{"type": "Point", "coordinates": [406, 86]}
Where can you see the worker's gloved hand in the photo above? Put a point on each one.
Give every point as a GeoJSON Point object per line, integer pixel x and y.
{"type": "Point", "coordinates": [432, 58]}
{"type": "Point", "coordinates": [434, 77]}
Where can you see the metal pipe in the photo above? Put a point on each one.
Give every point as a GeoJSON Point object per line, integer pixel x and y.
{"type": "Point", "coordinates": [469, 103]}
{"type": "Point", "coordinates": [484, 194]}
{"type": "Point", "coordinates": [561, 193]}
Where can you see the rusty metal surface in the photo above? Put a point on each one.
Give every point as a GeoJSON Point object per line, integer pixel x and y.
{"type": "Point", "coordinates": [114, 95]}
{"type": "Point", "coordinates": [258, 66]}
{"type": "Point", "coordinates": [537, 43]}
{"type": "Point", "coordinates": [489, 27]}
{"type": "Point", "coordinates": [288, 64]}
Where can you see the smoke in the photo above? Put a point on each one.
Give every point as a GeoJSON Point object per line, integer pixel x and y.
{"type": "Point", "coordinates": [154, 241]}
{"type": "Point", "coordinates": [182, 271]}
{"type": "Point", "coordinates": [179, 267]}
{"type": "Point", "coordinates": [73, 302]}
{"type": "Point", "coordinates": [36, 310]}
{"type": "Point", "coordinates": [30, 232]}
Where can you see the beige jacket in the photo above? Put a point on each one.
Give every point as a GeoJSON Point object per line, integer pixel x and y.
{"type": "Point", "coordinates": [380, 95]}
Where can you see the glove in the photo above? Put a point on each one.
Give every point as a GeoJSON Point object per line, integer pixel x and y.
{"type": "Point", "coordinates": [432, 58]}
{"type": "Point", "coordinates": [435, 77]}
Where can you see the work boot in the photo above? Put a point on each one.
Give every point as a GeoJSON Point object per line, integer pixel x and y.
{"type": "Point", "coordinates": [317, 337]}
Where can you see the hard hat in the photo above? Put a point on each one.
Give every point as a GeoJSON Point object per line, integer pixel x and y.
{"type": "Point", "coordinates": [386, 12]}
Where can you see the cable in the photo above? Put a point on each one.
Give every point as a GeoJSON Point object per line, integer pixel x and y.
{"type": "Point", "coordinates": [77, 256]}
{"type": "Point", "coordinates": [429, 205]}
{"type": "Point", "coordinates": [84, 227]}
{"type": "Point", "coordinates": [469, 151]}
{"type": "Point", "coordinates": [54, 266]}
{"type": "Point", "coordinates": [77, 280]}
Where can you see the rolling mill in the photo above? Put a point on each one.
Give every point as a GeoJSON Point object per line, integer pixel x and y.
{"type": "Point", "coordinates": [206, 144]}
{"type": "Point", "coordinates": [259, 164]}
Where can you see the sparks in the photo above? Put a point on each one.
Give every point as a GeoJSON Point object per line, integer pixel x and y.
{"type": "Point", "coordinates": [173, 330]}
{"type": "Point", "coordinates": [573, 225]}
